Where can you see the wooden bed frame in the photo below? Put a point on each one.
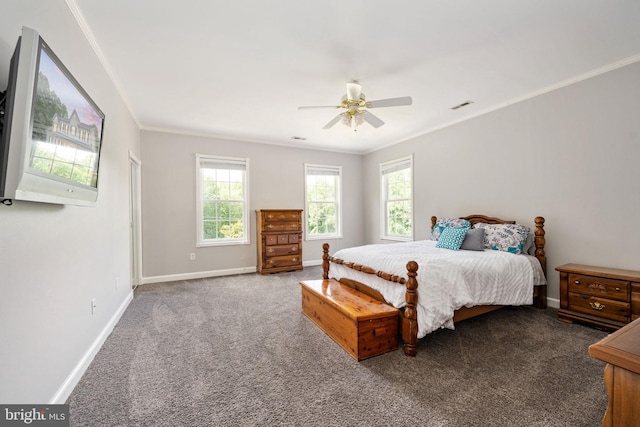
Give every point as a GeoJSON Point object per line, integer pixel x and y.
{"type": "Point", "coordinates": [409, 322]}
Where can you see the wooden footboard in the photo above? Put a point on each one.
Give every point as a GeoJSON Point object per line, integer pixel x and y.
{"type": "Point", "coordinates": [409, 316]}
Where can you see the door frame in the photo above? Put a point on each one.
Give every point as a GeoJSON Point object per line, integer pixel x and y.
{"type": "Point", "coordinates": [135, 220]}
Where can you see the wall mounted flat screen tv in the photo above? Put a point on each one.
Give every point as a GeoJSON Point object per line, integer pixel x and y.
{"type": "Point", "coordinates": [52, 131]}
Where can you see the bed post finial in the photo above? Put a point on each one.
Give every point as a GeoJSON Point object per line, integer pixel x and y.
{"type": "Point", "coordinates": [433, 221]}
{"type": "Point", "coordinates": [325, 261]}
{"type": "Point", "coordinates": [410, 319]}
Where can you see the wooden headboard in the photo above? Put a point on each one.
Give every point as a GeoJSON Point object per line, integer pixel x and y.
{"type": "Point", "coordinates": [538, 240]}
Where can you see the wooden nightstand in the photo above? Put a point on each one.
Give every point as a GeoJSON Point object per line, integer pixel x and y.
{"type": "Point", "coordinates": [607, 298]}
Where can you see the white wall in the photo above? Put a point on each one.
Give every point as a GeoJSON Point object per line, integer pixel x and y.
{"type": "Point", "coordinates": [276, 175]}
{"type": "Point", "coordinates": [571, 156]}
{"type": "Point", "coordinates": [54, 259]}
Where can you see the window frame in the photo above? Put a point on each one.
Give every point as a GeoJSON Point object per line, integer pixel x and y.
{"type": "Point", "coordinates": [387, 168]}
{"type": "Point", "coordinates": [336, 171]}
{"type": "Point", "coordinates": [200, 240]}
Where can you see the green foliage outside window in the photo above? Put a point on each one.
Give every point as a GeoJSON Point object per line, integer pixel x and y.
{"type": "Point", "coordinates": [398, 203]}
{"type": "Point", "coordinates": [223, 204]}
{"type": "Point", "coordinates": [322, 205]}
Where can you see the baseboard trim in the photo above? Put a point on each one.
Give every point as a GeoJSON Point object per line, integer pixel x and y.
{"type": "Point", "coordinates": [211, 273]}
{"type": "Point", "coordinates": [74, 377]}
{"type": "Point", "coordinates": [197, 275]}
{"type": "Point", "coordinates": [553, 302]}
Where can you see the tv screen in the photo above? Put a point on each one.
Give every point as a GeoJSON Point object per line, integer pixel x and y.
{"type": "Point", "coordinates": [53, 130]}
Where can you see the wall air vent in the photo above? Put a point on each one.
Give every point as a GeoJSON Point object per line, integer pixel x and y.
{"type": "Point", "coordinates": [299, 138]}
{"type": "Point", "coordinates": [464, 104]}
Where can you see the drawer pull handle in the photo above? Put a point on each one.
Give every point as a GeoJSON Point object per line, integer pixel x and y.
{"type": "Point", "coordinates": [294, 248]}
{"type": "Point", "coordinates": [295, 226]}
{"type": "Point", "coordinates": [617, 289]}
{"type": "Point", "coordinates": [270, 226]}
{"type": "Point", "coordinates": [577, 282]}
{"type": "Point", "coordinates": [598, 287]}
{"type": "Point", "coordinates": [270, 216]}
{"type": "Point", "coordinates": [271, 261]}
{"type": "Point", "coordinates": [596, 306]}
{"type": "Point", "coordinates": [296, 259]}
{"type": "Point", "coordinates": [271, 250]}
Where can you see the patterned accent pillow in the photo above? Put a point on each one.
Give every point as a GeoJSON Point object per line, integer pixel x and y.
{"type": "Point", "coordinates": [452, 238]}
{"type": "Point", "coordinates": [504, 237]}
{"type": "Point", "coordinates": [443, 223]}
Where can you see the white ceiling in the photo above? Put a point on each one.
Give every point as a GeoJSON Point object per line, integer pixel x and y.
{"type": "Point", "coordinates": [239, 69]}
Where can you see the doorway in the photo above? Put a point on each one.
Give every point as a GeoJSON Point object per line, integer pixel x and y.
{"type": "Point", "coordinates": [135, 232]}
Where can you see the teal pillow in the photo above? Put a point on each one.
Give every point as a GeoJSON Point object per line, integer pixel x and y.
{"type": "Point", "coordinates": [452, 238]}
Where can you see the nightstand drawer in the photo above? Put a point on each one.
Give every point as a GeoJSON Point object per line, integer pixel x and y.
{"type": "Point", "coordinates": [599, 287]}
{"type": "Point", "coordinates": [601, 307]}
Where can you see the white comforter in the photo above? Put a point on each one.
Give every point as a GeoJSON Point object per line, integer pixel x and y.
{"type": "Point", "coordinates": [447, 280]}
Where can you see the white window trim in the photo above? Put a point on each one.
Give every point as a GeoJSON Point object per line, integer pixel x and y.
{"type": "Point", "coordinates": [383, 208]}
{"type": "Point", "coordinates": [338, 233]}
{"type": "Point", "coordinates": [200, 241]}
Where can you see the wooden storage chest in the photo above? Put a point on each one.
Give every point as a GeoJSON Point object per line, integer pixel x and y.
{"type": "Point", "coordinates": [361, 325]}
{"type": "Point", "coordinates": [279, 240]}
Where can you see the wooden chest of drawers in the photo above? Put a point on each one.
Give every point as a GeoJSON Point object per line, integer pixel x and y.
{"type": "Point", "coordinates": [607, 298]}
{"type": "Point", "coordinates": [279, 240]}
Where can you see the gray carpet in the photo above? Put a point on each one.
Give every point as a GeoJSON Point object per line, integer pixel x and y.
{"type": "Point", "coordinates": [236, 351]}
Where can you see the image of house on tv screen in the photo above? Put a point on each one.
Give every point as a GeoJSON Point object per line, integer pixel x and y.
{"type": "Point", "coordinates": [67, 127]}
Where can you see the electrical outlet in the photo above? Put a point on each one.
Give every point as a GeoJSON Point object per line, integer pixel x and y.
{"type": "Point", "coordinates": [192, 257]}
{"type": "Point", "coordinates": [93, 306]}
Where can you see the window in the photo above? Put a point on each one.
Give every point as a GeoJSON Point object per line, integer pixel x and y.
{"type": "Point", "coordinates": [223, 200]}
{"type": "Point", "coordinates": [322, 201]}
{"type": "Point", "coordinates": [396, 183]}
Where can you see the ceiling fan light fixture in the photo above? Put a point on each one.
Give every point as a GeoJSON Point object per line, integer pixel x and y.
{"type": "Point", "coordinates": [353, 101]}
{"type": "Point", "coordinates": [358, 118]}
{"type": "Point", "coordinates": [352, 119]}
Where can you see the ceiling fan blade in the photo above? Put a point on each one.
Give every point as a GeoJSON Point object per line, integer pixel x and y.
{"type": "Point", "coordinates": [318, 106]}
{"type": "Point", "coordinates": [353, 91]}
{"type": "Point", "coordinates": [371, 119]}
{"type": "Point", "coordinates": [391, 102]}
{"type": "Point", "coordinates": [335, 120]}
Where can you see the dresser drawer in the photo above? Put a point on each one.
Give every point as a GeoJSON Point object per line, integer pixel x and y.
{"type": "Point", "coordinates": [601, 307]}
{"type": "Point", "coordinates": [275, 216]}
{"type": "Point", "coordinates": [284, 239]}
{"type": "Point", "coordinates": [283, 250]}
{"type": "Point", "coordinates": [599, 287]}
{"type": "Point", "coordinates": [283, 261]}
{"type": "Point", "coordinates": [282, 226]}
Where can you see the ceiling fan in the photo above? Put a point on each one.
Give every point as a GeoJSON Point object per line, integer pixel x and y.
{"type": "Point", "coordinates": [354, 102]}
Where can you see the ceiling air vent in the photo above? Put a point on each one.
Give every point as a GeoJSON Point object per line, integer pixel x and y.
{"type": "Point", "coordinates": [299, 138]}
{"type": "Point", "coordinates": [464, 104]}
